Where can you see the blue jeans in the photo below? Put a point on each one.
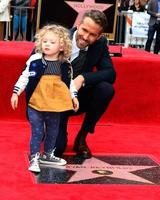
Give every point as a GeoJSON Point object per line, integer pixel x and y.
{"type": "Point", "coordinates": [20, 23]}
{"type": "Point", "coordinates": [43, 123]}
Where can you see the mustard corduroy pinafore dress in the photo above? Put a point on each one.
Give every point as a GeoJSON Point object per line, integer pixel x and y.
{"type": "Point", "coordinates": [51, 93]}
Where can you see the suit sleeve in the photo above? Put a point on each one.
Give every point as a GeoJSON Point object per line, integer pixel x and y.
{"type": "Point", "coordinates": [150, 9]}
{"type": "Point", "coordinates": [104, 66]}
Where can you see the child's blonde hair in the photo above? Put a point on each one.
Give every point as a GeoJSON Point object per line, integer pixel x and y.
{"type": "Point", "coordinates": [63, 35]}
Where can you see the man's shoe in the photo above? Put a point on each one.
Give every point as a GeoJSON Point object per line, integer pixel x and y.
{"type": "Point", "coordinates": [81, 148]}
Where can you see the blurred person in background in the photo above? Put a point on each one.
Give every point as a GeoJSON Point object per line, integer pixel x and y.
{"type": "Point", "coordinates": [137, 6]}
{"type": "Point", "coordinates": [123, 5]}
{"type": "Point", "coordinates": [4, 15]}
{"type": "Point", "coordinates": [20, 18]}
{"type": "Point", "coordinates": [154, 25]}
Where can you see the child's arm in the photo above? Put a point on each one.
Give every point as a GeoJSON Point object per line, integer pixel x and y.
{"type": "Point", "coordinates": [75, 104]}
{"type": "Point", "coordinates": [22, 82]}
{"type": "Point", "coordinates": [19, 87]}
{"type": "Point", "coordinates": [73, 92]}
{"type": "Point", "coordinates": [14, 101]}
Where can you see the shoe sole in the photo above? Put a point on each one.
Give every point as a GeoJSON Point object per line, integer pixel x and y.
{"type": "Point", "coordinates": [81, 155]}
{"type": "Point", "coordinates": [34, 170]}
{"type": "Point", "coordinates": [52, 163]}
{"type": "Point", "coordinates": [84, 156]}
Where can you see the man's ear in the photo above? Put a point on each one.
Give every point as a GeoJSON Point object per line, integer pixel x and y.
{"type": "Point", "coordinates": [99, 36]}
{"type": "Point", "coordinates": [78, 24]}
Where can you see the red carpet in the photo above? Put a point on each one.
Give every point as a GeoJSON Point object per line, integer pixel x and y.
{"type": "Point", "coordinates": [17, 183]}
{"type": "Point", "coordinates": [137, 87]}
{"type": "Point", "coordinates": [130, 127]}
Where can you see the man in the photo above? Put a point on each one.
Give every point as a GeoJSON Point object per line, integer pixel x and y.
{"type": "Point", "coordinates": [154, 25]}
{"type": "Point", "coordinates": [95, 89]}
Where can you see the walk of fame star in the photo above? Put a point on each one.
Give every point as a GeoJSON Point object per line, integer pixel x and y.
{"type": "Point", "coordinates": [102, 170]}
{"type": "Point", "coordinates": [81, 7]}
{"type": "Point", "coordinates": [85, 171]}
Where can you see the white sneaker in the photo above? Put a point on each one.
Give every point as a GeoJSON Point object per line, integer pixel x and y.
{"type": "Point", "coordinates": [51, 159]}
{"type": "Point", "coordinates": [34, 163]}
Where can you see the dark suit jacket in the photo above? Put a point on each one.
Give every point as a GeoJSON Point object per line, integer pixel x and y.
{"type": "Point", "coordinates": [98, 57]}
{"type": "Point", "coordinates": [152, 10]}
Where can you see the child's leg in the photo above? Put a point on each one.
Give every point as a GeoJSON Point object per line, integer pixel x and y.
{"type": "Point", "coordinates": [52, 120]}
{"type": "Point", "coordinates": [37, 126]}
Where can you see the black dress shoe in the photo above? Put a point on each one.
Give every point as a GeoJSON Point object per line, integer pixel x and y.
{"type": "Point", "coordinates": [81, 148]}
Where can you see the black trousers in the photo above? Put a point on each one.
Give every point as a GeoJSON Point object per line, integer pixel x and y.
{"type": "Point", "coordinates": [151, 31]}
{"type": "Point", "coordinates": [93, 101]}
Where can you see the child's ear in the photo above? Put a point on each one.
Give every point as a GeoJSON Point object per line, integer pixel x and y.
{"type": "Point", "coordinates": [61, 48]}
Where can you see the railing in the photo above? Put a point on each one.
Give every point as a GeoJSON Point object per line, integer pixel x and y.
{"type": "Point", "coordinates": [125, 27]}
{"type": "Point", "coordinates": [30, 26]}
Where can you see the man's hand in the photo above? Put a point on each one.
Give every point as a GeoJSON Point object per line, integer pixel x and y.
{"type": "Point", "coordinates": [14, 101]}
{"type": "Point", "coordinates": [79, 81]}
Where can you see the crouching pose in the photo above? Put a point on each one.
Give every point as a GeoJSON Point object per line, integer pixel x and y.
{"type": "Point", "coordinates": [93, 75]}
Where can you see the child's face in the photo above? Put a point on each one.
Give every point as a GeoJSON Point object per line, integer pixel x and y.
{"type": "Point", "coordinates": [51, 45]}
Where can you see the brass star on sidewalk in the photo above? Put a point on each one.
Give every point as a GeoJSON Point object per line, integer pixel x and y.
{"type": "Point", "coordinates": [81, 7]}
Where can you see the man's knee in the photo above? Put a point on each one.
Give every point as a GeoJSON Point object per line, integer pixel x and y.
{"type": "Point", "coordinates": [105, 90]}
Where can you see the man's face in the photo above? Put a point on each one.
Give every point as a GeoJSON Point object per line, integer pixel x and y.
{"type": "Point", "coordinates": [87, 33]}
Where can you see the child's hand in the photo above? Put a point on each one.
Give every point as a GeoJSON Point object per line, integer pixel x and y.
{"type": "Point", "coordinates": [75, 104]}
{"type": "Point", "coordinates": [14, 101]}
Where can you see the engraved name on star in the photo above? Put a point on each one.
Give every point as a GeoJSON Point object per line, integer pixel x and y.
{"type": "Point", "coordinates": [87, 170]}
{"type": "Point", "coordinates": [81, 7]}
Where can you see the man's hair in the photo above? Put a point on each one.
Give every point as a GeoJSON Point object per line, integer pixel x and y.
{"type": "Point", "coordinates": [98, 17]}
